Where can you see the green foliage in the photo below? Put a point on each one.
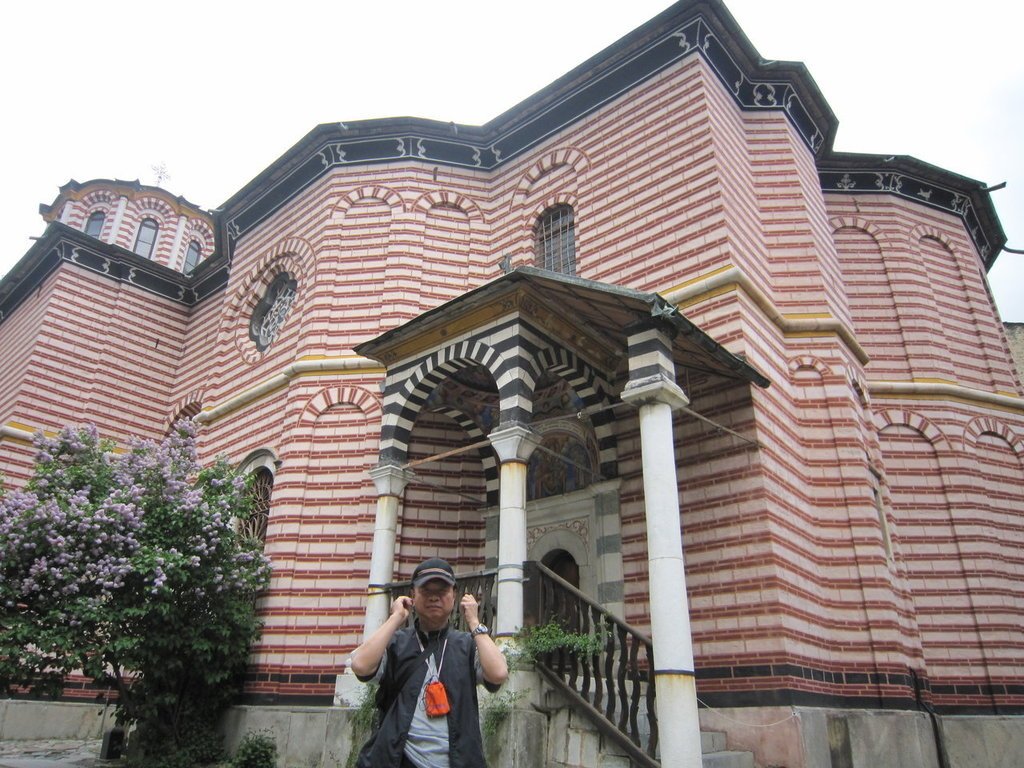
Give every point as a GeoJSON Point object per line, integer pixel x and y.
{"type": "Point", "coordinates": [257, 750]}
{"type": "Point", "coordinates": [364, 719]}
{"type": "Point", "coordinates": [495, 710]}
{"type": "Point", "coordinates": [534, 642]}
{"type": "Point", "coordinates": [128, 568]}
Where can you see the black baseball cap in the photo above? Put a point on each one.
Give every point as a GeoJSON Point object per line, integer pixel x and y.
{"type": "Point", "coordinates": [434, 568]}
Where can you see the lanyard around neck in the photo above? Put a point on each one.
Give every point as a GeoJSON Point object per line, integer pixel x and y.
{"type": "Point", "coordinates": [440, 661]}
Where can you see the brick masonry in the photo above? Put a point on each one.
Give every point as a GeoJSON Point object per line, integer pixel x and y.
{"type": "Point", "coordinates": [873, 529]}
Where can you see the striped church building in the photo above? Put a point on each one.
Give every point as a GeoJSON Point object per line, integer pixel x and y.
{"type": "Point", "coordinates": [402, 326]}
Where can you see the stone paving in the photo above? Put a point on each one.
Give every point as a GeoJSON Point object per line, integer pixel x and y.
{"type": "Point", "coordinates": [52, 753]}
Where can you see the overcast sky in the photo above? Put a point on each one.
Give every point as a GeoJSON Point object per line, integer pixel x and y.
{"type": "Point", "coordinates": [216, 91]}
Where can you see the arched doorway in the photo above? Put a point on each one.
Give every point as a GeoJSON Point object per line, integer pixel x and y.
{"type": "Point", "coordinates": [565, 608]}
{"type": "Point", "coordinates": [563, 564]}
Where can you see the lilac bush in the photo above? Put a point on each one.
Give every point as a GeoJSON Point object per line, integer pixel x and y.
{"type": "Point", "coordinates": [127, 567]}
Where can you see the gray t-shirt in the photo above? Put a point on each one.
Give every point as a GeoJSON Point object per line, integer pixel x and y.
{"type": "Point", "coordinates": [426, 746]}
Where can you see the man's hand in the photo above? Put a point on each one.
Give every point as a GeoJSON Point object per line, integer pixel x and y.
{"type": "Point", "coordinates": [366, 658]}
{"type": "Point", "coordinates": [492, 660]}
{"type": "Point", "coordinates": [470, 611]}
{"type": "Point", "coordinates": [401, 607]}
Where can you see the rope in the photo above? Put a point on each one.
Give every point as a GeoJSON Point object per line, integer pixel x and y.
{"type": "Point", "coordinates": [741, 722]}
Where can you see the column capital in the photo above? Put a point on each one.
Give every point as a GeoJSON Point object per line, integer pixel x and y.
{"type": "Point", "coordinates": [390, 479]}
{"type": "Point", "coordinates": [655, 389]}
{"type": "Point", "coordinates": [514, 442]}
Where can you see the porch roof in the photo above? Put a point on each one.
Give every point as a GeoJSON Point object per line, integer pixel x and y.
{"type": "Point", "coordinates": [602, 313]}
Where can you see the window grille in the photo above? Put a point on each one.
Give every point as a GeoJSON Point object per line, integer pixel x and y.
{"type": "Point", "coordinates": [556, 240]}
{"type": "Point", "coordinates": [272, 310]}
{"type": "Point", "coordinates": [261, 489]}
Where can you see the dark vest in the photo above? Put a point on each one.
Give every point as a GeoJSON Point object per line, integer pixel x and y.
{"type": "Point", "coordinates": [404, 662]}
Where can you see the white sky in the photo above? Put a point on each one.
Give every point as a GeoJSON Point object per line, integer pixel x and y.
{"type": "Point", "coordinates": [218, 90]}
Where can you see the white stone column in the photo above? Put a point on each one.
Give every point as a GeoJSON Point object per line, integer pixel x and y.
{"type": "Point", "coordinates": [513, 444]}
{"type": "Point", "coordinates": [652, 389]}
{"type": "Point", "coordinates": [179, 234]}
{"type": "Point", "coordinates": [115, 225]}
{"type": "Point", "coordinates": [390, 481]}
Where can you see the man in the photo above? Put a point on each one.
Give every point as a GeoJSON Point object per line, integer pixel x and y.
{"type": "Point", "coordinates": [428, 676]}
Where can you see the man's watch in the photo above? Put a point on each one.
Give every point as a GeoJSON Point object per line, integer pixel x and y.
{"type": "Point", "coordinates": [480, 630]}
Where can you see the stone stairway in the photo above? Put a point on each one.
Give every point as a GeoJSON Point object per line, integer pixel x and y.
{"type": "Point", "coordinates": [712, 745]}
{"type": "Point", "coordinates": [575, 742]}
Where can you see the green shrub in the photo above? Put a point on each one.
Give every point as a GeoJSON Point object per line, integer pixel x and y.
{"type": "Point", "coordinates": [545, 638]}
{"type": "Point", "coordinates": [256, 750]}
{"type": "Point", "coordinates": [496, 710]}
{"type": "Point", "coordinates": [364, 720]}
{"type": "Point", "coordinates": [127, 566]}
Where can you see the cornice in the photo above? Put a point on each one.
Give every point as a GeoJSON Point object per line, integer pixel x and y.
{"type": "Point", "coordinates": [945, 391]}
{"type": "Point", "coordinates": [312, 366]}
{"type": "Point", "coordinates": [731, 277]}
{"type": "Point", "coordinates": [61, 244]}
{"type": "Point", "coordinates": [703, 29]}
{"type": "Point", "coordinates": [688, 29]}
{"type": "Point", "coordinates": [912, 179]}
{"type": "Point", "coordinates": [133, 190]}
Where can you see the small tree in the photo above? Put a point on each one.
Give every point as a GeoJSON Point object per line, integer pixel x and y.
{"type": "Point", "coordinates": [127, 567]}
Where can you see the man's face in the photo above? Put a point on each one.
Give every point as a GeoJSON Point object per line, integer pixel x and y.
{"type": "Point", "coordinates": [434, 601]}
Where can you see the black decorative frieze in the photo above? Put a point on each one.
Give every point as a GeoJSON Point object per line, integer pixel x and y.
{"type": "Point", "coordinates": [489, 152]}
{"type": "Point", "coordinates": [758, 94]}
{"type": "Point", "coordinates": [910, 188]}
{"type": "Point", "coordinates": [170, 286]}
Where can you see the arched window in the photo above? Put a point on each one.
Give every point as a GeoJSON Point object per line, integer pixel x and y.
{"type": "Point", "coordinates": [555, 238]}
{"type": "Point", "coordinates": [192, 257]}
{"type": "Point", "coordinates": [146, 238]}
{"type": "Point", "coordinates": [271, 311]}
{"type": "Point", "coordinates": [261, 490]}
{"type": "Point", "coordinates": [94, 226]}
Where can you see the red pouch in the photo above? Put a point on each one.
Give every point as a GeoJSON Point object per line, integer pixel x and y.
{"type": "Point", "coordinates": [435, 699]}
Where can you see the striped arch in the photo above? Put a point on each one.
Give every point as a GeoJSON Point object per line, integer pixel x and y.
{"type": "Point", "coordinates": [567, 156]}
{"type": "Point", "coordinates": [922, 231]}
{"type": "Point", "coordinates": [880, 237]}
{"type": "Point", "coordinates": [593, 390]}
{"type": "Point", "coordinates": [187, 407]}
{"type": "Point", "coordinates": [199, 229]}
{"type": "Point", "coordinates": [895, 417]}
{"type": "Point", "coordinates": [292, 255]}
{"type": "Point", "coordinates": [156, 206]}
{"type": "Point", "coordinates": [444, 198]}
{"type": "Point", "coordinates": [534, 213]}
{"type": "Point", "coordinates": [346, 394]}
{"type": "Point", "coordinates": [99, 197]}
{"type": "Point", "coordinates": [987, 425]}
{"type": "Point", "coordinates": [809, 362]}
{"type": "Point", "coordinates": [404, 398]}
{"type": "Point", "coordinates": [388, 196]}
{"type": "Point", "coordinates": [488, 458]}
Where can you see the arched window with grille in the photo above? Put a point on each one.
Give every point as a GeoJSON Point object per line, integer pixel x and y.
{"type": "Point", "coordinates": [261, 489]}
{"type": "Point", "coordinates": [555, 240]}
{"type": "Point", "coordinates": [146, 238]}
